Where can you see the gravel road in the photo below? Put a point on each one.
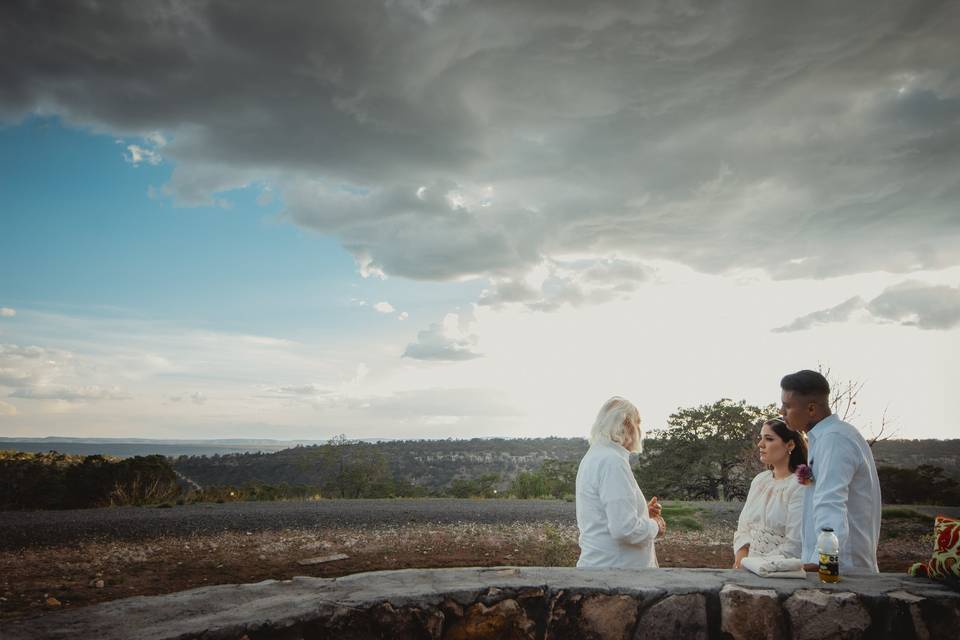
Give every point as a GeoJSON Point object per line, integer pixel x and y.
{"type": "Point", "coordinates": [35, 528]}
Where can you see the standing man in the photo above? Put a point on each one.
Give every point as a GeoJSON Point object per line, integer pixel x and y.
{"type": "Point", "coordinates": [845, 495]}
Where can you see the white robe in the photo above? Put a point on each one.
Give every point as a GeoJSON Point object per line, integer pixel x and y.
{"type": "Point", "coordinates": [615, 528]}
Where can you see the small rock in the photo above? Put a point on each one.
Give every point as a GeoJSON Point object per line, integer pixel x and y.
{"type": "Point", "coordinates": [263, 557]}
{"type": "Point", "coordinates": [322, 559]}
{"type": "Point", "coordinates": [52, 602]}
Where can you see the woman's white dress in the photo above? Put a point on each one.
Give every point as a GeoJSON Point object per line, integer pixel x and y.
{"type": "Point", "coordinates": [615, 528]}
{"type": "Point", "coordinates": [772, 517]}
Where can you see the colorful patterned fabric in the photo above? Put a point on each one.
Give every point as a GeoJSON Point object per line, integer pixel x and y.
{"type": "Point", "coordinates": [944, 564]}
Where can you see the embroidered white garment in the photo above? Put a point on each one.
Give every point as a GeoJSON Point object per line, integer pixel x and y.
{"type": "Point", "coordinates": [845, 495]}
{"type": "Point", "coordinates": [774, 566]}
{"type": "Point", "coordinates": [615, 528]}
{"type": "Point", "coordinates": [772, 517]}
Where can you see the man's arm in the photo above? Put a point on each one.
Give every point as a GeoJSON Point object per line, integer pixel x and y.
{"type": "Point", "coordinates": [627, 524]}
{"type": "Point", "coordinates": [837, 461]}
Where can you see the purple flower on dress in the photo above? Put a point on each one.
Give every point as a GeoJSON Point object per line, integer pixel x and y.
{"type": "Point", "coordinates": [804, 474]}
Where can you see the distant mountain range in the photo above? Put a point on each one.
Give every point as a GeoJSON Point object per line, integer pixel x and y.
{"type": "Point", "coordinates": [430, 463]}
{"type": "Point", "coordinates": [128, 447]}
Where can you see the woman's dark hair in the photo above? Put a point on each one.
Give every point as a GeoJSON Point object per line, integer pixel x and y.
{"type": "Point", "coordinates": [799, 454]}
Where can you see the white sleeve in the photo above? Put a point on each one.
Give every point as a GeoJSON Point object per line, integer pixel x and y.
{"type": "Point", "coordinates": [791, 546]}
{"type": "Point", "coordinates": [628, 522]}
{"type": "Point", "coordinates": [742, 535]}
{"type": "Point", "coordinates": [836, 462]}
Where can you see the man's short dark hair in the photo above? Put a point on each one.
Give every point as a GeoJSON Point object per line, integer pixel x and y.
{"type": "Point", "coordinates": [806, 383]}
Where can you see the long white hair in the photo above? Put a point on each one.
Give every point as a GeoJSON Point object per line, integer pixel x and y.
{"type": "Point", "coordinates": [616, 416]}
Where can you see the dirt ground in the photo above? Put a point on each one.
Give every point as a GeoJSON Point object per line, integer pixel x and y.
{"type": "Point", "coordinates": [36, 580]}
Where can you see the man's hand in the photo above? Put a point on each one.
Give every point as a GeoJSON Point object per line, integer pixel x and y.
{"type": "Point", "coordinates": [654, 508]}
{"type": "Point", "coordinates": [662, 524]}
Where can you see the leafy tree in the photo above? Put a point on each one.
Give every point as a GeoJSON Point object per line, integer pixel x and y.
{"type": "Point", "coordinates": [704, 453]}
{"type": "Point", "coordinates": [554, 478]}
{"type": "Point", "coordinates": [54, 481]}
{"type": "Point", "coordinates": [359, 469]}
{"type": "Point", "coordinates": [482, 487]}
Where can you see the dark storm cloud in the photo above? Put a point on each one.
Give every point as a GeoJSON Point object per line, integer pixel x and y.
{"type": "Point", "coordinates": [440, 140]}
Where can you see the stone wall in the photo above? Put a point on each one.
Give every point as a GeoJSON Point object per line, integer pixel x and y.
{"type": "Point", "coordinates": [529, 602]}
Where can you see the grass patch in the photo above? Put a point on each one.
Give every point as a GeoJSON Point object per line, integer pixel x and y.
{"type": "Point", "coordinates": [678, 509]}
{"type": "Point", "coordinates": [903, 513]}
{"type": "Point", "coordinates": [682, 517]}
{"type": "Point", "coordinates": [684, 523]}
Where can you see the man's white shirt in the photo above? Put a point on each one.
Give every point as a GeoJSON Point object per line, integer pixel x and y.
{"type": "Point", "coordinates": [615, 528]}
{"type": "Point", "coordinates": [845, 495]}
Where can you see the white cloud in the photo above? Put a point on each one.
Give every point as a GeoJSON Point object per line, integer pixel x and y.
{"type": "Point", "coordinates": [90, 393]}
{"type": "Point", "coordinates": [573, 283]}
{"type": "Point", "coordinates": [839, 313]}
{"type": "Point", "coordinates": [156, 139]}
{"type": "Point", "coordinates": [451, 340]}
{"type": "Point", "coordinates": [909, 303]}
{"type": "Point", "coordinates": [137, 154]}
{"type": "Point", "coordinates": [266, 197]}
{"type": "Point", "coordinates": [383, 307]}
{"type": "Point", "coordinates": [437, 403]}
{"type": "Point", "coordinates": [301, 390]}
{"type": "Point", "coordinates": [7, 312]}
{"type": "Point", "coordinates": [403, 315]}
{"type": "Point", "coordinates": [362, 372]}
{"type": "Point", "coordinates": [917, 304]}
{"type": "Point", "coordinates": [29, 366]}
{"type": "Point", "coordinates": [7, 409]}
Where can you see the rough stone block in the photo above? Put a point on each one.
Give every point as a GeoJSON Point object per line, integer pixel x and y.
{"type": "Point", "coordinates": [591, 616]}
{"type": "Point", "coordinates": [827, 615]}
{"type": "Point", "coordinates": [751, 613]}
{"type": "Point", "coordinates": [382, 620]}
{"type": "Point", "coordinates": [505, 619]}
{"type": "Point", "coordinates": [913, 616]}
{"type": "Point", "coordinates": [676, 616]}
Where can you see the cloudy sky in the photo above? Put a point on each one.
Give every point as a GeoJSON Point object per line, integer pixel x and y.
{"type": "Point", "coordinates": [445, 218]}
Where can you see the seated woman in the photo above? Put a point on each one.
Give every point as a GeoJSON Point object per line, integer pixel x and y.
{"type": "Point", "coordinates": [617, 525]}
{"type": "Point", "coordinates": [772, 516]}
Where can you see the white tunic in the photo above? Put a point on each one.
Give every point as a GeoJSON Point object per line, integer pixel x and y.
{"type": "Point", "coordinates": [845, 495]}
{"type": "Point", "coordinates": [615, 528]}
{"type": "Point", "coordinates": [772, 517]}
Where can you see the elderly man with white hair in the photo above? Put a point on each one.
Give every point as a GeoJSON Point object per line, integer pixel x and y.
{"type": "Point", "coordinates": [617, 525]}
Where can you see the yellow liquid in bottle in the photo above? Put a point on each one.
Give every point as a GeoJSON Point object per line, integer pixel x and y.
{"type": "Point", "coordinates": [829, 568]}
